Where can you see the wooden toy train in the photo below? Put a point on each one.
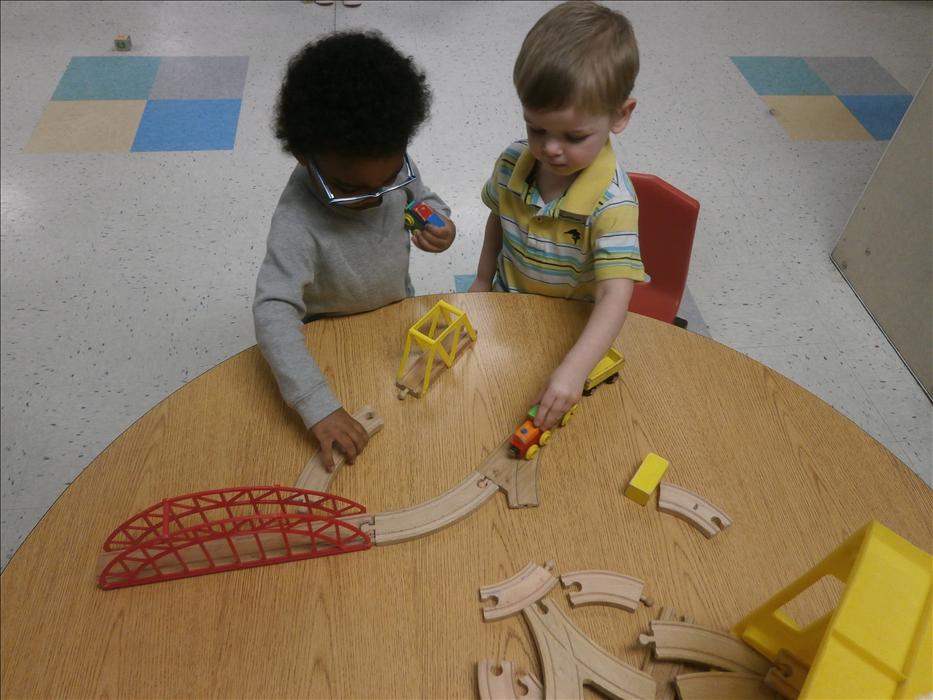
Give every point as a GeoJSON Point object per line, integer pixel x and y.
{"type": "Point", "coordinates": [528, 439]}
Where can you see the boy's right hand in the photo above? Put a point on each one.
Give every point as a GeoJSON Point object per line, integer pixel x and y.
{"type": "Point", "coordinates": [480, 286]}
{"type": "Point", "coordinates": [341, 428]}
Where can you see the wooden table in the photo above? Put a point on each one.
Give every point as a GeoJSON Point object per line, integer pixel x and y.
{"type": "Point", "coordinates": [404, 620]}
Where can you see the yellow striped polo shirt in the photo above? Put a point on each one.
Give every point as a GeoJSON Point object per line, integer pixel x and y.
{"type": "Point", "coordinates": [562, 248]}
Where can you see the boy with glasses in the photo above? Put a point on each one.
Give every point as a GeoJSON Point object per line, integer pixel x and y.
{"type": "Point", "coordinates": [337, 245]}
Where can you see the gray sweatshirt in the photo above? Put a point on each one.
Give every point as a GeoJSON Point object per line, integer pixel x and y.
{"type": "Point", "coordinates": [325, 260]}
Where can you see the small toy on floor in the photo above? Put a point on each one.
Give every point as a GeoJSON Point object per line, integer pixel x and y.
{"type": "Point", "coordinates": [122, 42]}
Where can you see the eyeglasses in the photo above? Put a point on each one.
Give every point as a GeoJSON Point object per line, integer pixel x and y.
{"type": "Point", "coordinates": [340, 201]}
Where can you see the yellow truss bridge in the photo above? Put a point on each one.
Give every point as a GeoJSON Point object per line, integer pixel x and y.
{"type": "Point", "coordinates": [444, 332]}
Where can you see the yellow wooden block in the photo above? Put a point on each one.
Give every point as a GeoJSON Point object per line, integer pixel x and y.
{"type": "Point", "coordinates": [646, 479]}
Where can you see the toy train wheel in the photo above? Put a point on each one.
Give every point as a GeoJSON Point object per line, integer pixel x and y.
{"type": "Point", "coordinates": [587, 392]}
{"type": "Point", "coordinates": [532, 451]}
{"type": "Point", "coordinates": [545, 436]}
{"type": "Point", "coordinates": [410, 222]}
{"type": "Point", "coordinates": [569, 414]}
{"type": "Point", "coordinates": [613, 378]}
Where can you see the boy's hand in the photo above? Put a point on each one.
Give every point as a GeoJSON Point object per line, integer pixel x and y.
{"type": "Point", "coordinates": [480, 286]}
{"type": "Point", "coordinates": [341, 428]}
{"type": "Point", "coordinates": [432, 239]}
{"type": "Point", "coordinates": [563, 390]}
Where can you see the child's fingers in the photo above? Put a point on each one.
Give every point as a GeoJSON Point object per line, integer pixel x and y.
{"type": "Point", "coordinates": [425, 242]}
{"type": "Point", "coordinates": [348, 447]}
{"type": "Point", "coordinates": [359, 436]}
{"type": "Point", "coordinates": [439, 236]}
{"type": "Point", "coordinates": [327, 455]}
{"type": "Point", "coordinates": [419, 241]}
{"type": "Point", "coordinates": [435, 242]}
{"type": "Point", "coordinates": [551, 408]}
{"type": "Point", "coordinates": [553, 415]}
{"type": "Point", "coordinates": [544, 409]}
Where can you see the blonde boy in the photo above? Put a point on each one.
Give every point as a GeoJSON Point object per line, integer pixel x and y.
{"type": "Point", "coordinates": [564, 216]}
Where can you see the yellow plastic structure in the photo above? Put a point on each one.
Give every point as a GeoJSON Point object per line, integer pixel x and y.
{"type": "Point", "coordinates": [437, 334]}
{"type": "Point", "coordinates": [646, 479]}
{"type": "Point", "coordinates": [877, 642]}
{"type": "Point", "coordinates": [606, 370]}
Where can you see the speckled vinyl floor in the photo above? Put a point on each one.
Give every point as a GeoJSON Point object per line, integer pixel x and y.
{"type": "Point", "coordinates": [127, 272]}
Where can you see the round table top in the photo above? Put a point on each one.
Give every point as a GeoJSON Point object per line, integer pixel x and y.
{"type": "Point", "coordinates": [404, 620]}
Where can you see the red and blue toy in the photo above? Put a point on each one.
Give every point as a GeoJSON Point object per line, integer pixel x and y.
{"type": "Point", "coordinates": [419, 214]}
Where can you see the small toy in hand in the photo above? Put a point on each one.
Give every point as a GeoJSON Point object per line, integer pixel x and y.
{"type": "Point", "coordinates": [528, 438]}
{"type": "Point", "coordinates": [419, 214]}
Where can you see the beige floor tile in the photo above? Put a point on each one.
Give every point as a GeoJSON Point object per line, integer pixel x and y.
{"type": "Point", "coordinates": [87, 126]}
{"type": "Point", "coordinates": [816, 118]}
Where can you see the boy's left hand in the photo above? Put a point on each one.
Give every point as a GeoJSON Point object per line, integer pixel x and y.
{"type": "Point", "coordinates": [433, 239]}
{"type": "Point", "coordinates": [563, 390]}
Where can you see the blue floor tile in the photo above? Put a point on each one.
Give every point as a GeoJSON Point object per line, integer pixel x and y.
{"type": "Point", "coordinates": [879, 114]}
{"type": "Point", "coordinates": [462, 283]}
{"type": "Point", "coordinates": [780, 75]}
{"type": "Point", "coordinates": [188, 125]}
{"type": "Point", "coordinates": [108, 78]}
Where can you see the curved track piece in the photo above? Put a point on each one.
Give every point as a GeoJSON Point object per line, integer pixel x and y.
{"type": "Point", "coordinates": [663, 673]}
{"type": "Point", "coordinates": [693, 508]}
{"type": "Point", "coordinates": [570, 660]}
{"type": "Point", "coordinates": [501, 686]}
{"type": "Point", "coordinates": [682, 641]}
{"type": "Point", "coordinates": [518, 478]}
{"type": "Point", "coordinates": [722, 685]}
{"type": "Point", "coordinates": [526, 587]}
{"type": "Point", "coordinates": [605, 588]}
{"type": "Point", "coordinates": [435, 514]}
{"type": "Point", "coordinates": [315, 476]}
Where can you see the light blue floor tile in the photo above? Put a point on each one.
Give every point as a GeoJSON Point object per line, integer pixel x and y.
{"type": "Point", "coordinates": [462, 282]}
{"type": "Point", "coordinates": [780, 75]}
{"type": "Point", "coordinates": [107, 78]}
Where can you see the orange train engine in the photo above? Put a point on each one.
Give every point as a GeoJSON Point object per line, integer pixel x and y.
{"type": "Point", "coordinates": [528, 439]}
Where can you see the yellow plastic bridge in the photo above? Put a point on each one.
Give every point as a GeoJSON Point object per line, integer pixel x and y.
{"type": "Point", "coordinates": [442, 332]}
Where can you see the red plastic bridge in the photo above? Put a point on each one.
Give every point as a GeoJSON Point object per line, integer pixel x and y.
{"type": "Point", "coordinates": [227, 529]}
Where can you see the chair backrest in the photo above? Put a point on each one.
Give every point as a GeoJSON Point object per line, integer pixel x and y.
{"type": "Point", "coordinates": [667, 221]}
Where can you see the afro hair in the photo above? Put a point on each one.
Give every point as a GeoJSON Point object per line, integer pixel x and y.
{"type": "Point", "coordinates": [350, 94]}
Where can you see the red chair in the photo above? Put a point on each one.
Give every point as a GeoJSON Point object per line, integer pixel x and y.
{"type": "Point", "coordinates": [667, 220]}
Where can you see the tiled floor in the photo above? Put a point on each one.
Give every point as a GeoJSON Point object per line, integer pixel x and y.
{"type": "Point", "coordinates": [143, 103]}
{"type": "Point", "coordinates": [126, 274]}
{"type": "Point", "coordinates": [828, 98]}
